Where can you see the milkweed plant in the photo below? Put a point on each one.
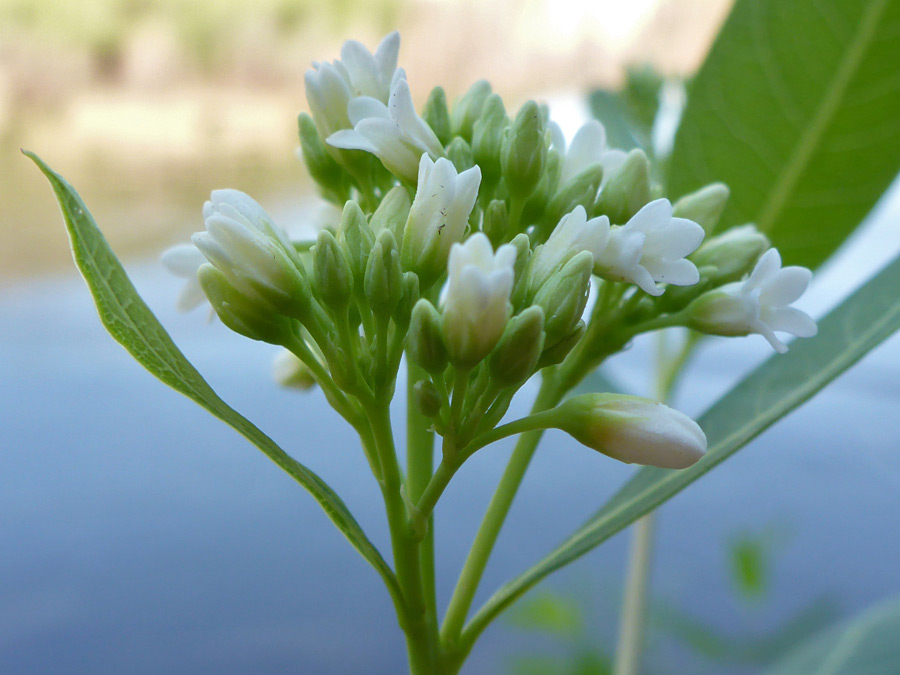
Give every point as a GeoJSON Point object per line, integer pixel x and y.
{"type": "Point", "coordinates": [474, 245]}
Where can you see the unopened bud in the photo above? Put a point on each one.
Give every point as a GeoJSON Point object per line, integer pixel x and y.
{"type": "Point", "coordinates": [460, 153]}
{"type": "Point", "coordinates": [564, 295]}
{"type": "Point", "coordinates": [731, 254]}
{"type": "Point", "coordinates": [321, 165]}
{"type": "Point", "coordinates": [496, 221]}
{"type": "Point", "coordinates": [524, 151]}
{"type": "Point", "coordinates": [426, 343]}
{"type": "Point", "coordinates": [627, 190]}
{"type": "Point", "coordinates": [633, 430]}
{"type": "Point", "coordinates": [289, 371]}
{"type": "Point", "coordinates": [428, 399]}
{"type": "Point", "coordinates": [437, 115]}
{"type": "Point", "coordinates": [334, 280]}
{"type": "Point", "coordinates": [467, 109]}
{"type": "Point", "coordinates": [705, 206]}
{"type": "Point", "coordinates": [408, 299]}
{"type": "Point", "coordinates": [579, 191]}
{"type": "Point", "coordinates": [516, 355]}
{"type": "Point", "coordinates": [487, 138]}
{"type": "Point", "coordinates": [358, 240]}
{"type": "Point", "coordinates": [558, 352]}
{"type": "Point", "coordinates": [392, 212]}
{"type": "Point", "coordinates": [522, 244]}
{"type": "Point", "coordinates": [384, 278]}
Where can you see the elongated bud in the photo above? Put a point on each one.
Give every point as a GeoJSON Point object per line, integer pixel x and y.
{"type": "Point", "coordinates": [467, 109]}
{"type": "Point", "coordinates": [522, 243]}
{"type": "Point", "coordinates": [626, 190]}
{"type": "Point", "coordinates": [426, 343]}
{"type": "Point", "coordinates": [580, 191]}
{"type": "Point", "coordinates": [558, 352]}
{"type": "Point", "coordinates": [536, 206]}
{"type": "Point", "coordinates": [384, 278]}
{"type": "Point", "coordinates": [705, 206]}
{"type": "Point", "coordinates": [524, 151]}
{"type": "Point", "coordinates": [496, 222]}
{"type": "Point", "coordinates": [239, 313]}
{"type": "Point", "coordinates": [428, 399]}
{"type": "Point", "coordinates": [516, 355]}
{"type": "Point", "coordinates": [289, 371]}
{"type": "Point", "coordinates": [487, 137]}
{"type": "Point", "coordinates": [633, 430]}
{"type": "Point", "coordinates": [731, 254]}
{"type": "Point", "coordinates": [437, 115]}
{"type": "Point", "coordinates": [321, 165]}
{"type": "Point", "coordinates": [563, 297]}
{"type": "Point", "coordinates": [460, 153]}
{"type": "Point", "coordinates": [334, 280]}
{"type": "Point", "coordinates": [358, 240]}
{"type": "Point", "coordinates": [408, 299]}
{"type": "Point", "coordinates": [392, 212]}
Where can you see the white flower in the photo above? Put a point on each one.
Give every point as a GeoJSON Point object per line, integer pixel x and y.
{"type": "Point", "coordinates": [331, 86]}
{"type": "Point", "coordinates": [588, 148]}
{"type": "Point", "coordinates": [243, 243]}
{"type": "Point", "coordinates": [438, 216]}
{"type": "Point", "coordinates": [394, 132]}
{"type": "Point", "coordinates": [573, 234]}
{"type": "Point", "coordinates": [184, 260]}
{"type": "Point", "coordinates": [633, 430]}
{"type": "Point", "coordinates": [476, 306]}
{"type": "Point", "coordinates": [759, 304]}
{"type": "Point", "coordinates": [651, 248]}
{"type": "Point", "coordinates": [289, 371]}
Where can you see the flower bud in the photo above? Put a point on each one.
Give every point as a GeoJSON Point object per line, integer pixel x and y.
{"type": "Point", "coordinates": [626, 190]}
{"type": "Point", "coordinates": [564, 295]}
{"type": "Point", "coordinates": [704, 206]}
{"type": "Point", "coordinates": [334, 280]}
{"type": "Point", "coordinates": [633, 430]}
{"type": "Point", "coordinates": [428, 399]}
{"type": "Point", "coordinates": [392, 212]}
{"type": "Point", "coordinates": [384, 278]}
{"type": "Point", "coordinates": [536, 205]}
{"type": "Point", "coordinates": [240, 313]}
{"type": "Point", "coordinates": [516, 355]}
{"type": "Point", "coordinates": [358, 240]}
{"type": "Point", "coordinates": [467, 109]}
{"type": "Point", "coordinates": [521, 270]}
{"type": "Point", "coordinates": [731, 254]}
{"type": "Point", "coordinates": [408, 299]}
{"type": "Point", "coordinates": [438, 217]}
{"type": "Point", "coordinates": [524, 151]}
{"type": "Point", "coordinates": [321, 165]}
{"type": "Point", "coordinates": [289, 371]}
{"type": "Point", "coordinates": [425, 344]}
{"type": "Point", "coordinates": [496, 221]}
{"type": "Point", "coordinates": [460, 153]}
{"type": "Point", "coordinates": [579, 191]}
{"type": "Point", "coordinates": [558, 352]}
{"type": "Point", "coordinates": [437, 115]}
{"type": "Point", "coordinates": [487, 137]}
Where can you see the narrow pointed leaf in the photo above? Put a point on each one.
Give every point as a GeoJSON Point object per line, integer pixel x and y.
{"type": "Point", "coordinates": [769, 393]}
{"type": "Point", "coordinates": [128, 319]}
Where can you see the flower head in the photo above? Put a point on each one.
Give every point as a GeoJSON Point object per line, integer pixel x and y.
{"type": "Point", "coordinates": [651, 248]}
{"type": "Point", "coordinates": [759, 304]}
{"type": "Point", "coordinates": [394, 132]}
{"type": "Point", "coordinates": [331, 86]}
{"type": "Point", "coordinates": [632, 429]}
{"type": "Point", "coordinates": [573, 234]}
{"type": "Point", "coordinates": [588, 149]}
{"type": "Point", "coordinates": [476, 306]}
{"type": "Point", "coordinates": [438, 216]}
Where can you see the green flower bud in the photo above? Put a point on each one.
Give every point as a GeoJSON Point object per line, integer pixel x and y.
{"type": "Point", "coordinates": [392, 212]}
{"type": "Point", "coordinates": [487, 138]}
{"type": "Point", "coordinates": [632, 429]}
{"type": "Point", "coordinates": [426, 344]}
{"type": "Point", "coordinates": [516, 355]}
{"type": "Point", "coordinates": [467, 109]}
{"type": "Point", "coordinates": [536, 206]}
{"type": "Point", "coordinates": [564, 296]}
{"type": "Point", "coordinates": [496, 221]}
{"type": "Point", "coordinates": [524, 151]}
{"type": "Point", "coordinates": [626, 190]}
{"type": "Point", "coordinates": [384, 278]}
{"type": "Point", "coordinates": [460, 153]}
{"type": "Point", "coordinates": [428, 399]}
{"type": "Point", "coordinates": [240, 313]}
{"type": "Point", "coordinates": [358, 240]}
{"type": "Point", "coordinates": [289, 371]}
{"type": "Point", "coordinates": [437, 115]}
{"type": "Point", "coordinates": [580, 191]}
{"type": "Point", "coordinates": [321, 165]}
{"type": "Point", "coordinates": [521, 274]}
{"type": "Point", "coordinates": [408, 299]}
{"type": "Point", "coordinates": [331, 268]}
{"type": "Point", "coordinates": [558, 352]}
{"type": "Point", "coordinates": [704, 206]}
{"type": "Point", "coordinates": [732, 254]}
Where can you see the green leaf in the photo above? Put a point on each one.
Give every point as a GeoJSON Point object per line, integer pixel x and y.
{"type": "Point", "coordinates": [769, 393]}
{"type": "Point", "coordinates": [795, 109]}
{"type": "Point", "coordinates": [865, 645]}
{"type": "Point", "coordinates": [128, 319]}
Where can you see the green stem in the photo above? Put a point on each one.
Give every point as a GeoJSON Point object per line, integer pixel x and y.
{"type": "Point", "coordinates": [634, 608]}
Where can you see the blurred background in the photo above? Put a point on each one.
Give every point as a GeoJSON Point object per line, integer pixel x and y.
{"type": "Point", "coordinates": [139, 535]}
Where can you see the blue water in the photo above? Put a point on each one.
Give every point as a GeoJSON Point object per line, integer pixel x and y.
{"type": "Point", "coordinates": [138, 534]}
